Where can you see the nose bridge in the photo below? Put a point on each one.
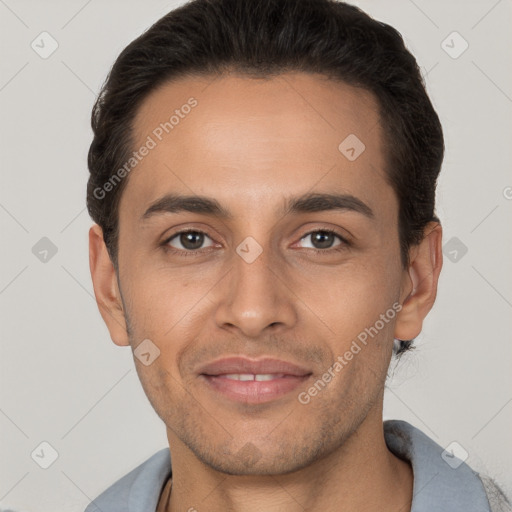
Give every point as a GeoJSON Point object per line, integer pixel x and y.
{"type": "Point", "coordinates": [254, 296]}
{"type": "Point", "coordinates": [255, 267]}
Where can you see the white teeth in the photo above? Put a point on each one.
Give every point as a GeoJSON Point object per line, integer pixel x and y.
{"type": "Point", "coordinates": [250, 376]}
{"type": "Point", "coordinates": [240, 376]}
{"type": "Point", "coordinates": [232, 376]}
{"type": "Point", "coordinates": [265, 376]}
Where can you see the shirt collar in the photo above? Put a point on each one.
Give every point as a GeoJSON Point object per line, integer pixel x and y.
{"type": "Point", "coordinates": [146, 488]}
{"type": "Point", "coordinates": [438, 486]}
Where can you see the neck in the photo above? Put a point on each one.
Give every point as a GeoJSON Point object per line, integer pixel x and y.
{"type": "Point", "coordinates": [362, 474]}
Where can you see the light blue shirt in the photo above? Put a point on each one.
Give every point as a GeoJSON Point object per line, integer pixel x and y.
{"type": "Point", "coordinates": [438, 486]}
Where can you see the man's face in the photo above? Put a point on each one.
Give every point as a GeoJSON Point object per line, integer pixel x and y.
{"type": "Point", "coordinates": [254, 146]}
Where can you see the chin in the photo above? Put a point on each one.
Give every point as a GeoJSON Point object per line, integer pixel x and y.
{"type": "Point", "coordinates": [250, 460]}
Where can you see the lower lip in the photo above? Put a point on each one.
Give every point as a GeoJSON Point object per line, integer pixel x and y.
{"type": "Point", "coordinates": [253, 391]}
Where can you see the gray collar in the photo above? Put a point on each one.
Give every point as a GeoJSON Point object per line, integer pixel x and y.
{"type": "Point", "coordinates": [438, 487]}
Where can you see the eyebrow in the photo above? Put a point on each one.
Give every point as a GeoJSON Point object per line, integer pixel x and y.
{"type": "Point", "coordinates": [307, 203]}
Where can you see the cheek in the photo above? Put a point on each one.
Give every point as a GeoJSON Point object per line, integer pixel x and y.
{"type": "Point", "coordinates": [352, 297]}
{"type": "Point", "coordinates": [152, 291]}
{"type": "Point", "coordinates": [167, 306]}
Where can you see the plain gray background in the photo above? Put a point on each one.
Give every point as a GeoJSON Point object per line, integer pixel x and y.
{"type": "Point", "coordinates": [65, 383]}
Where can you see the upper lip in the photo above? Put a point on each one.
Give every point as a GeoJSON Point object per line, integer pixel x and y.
{"type": "Point", "coordinates": [238, 365]}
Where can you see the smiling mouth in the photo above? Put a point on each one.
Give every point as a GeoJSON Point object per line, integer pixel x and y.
{"type": "Point", "coordinates": [252, 381]}
{"type": "Point", "coordinates": [260, 377]}
{"type": "Point", "coordinates": [253, 388]}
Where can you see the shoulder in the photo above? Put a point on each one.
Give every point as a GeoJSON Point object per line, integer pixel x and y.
{"type": "Point", "coordinates": [442, 481]}
{"type": "Point", "coordinates": [138, 490]}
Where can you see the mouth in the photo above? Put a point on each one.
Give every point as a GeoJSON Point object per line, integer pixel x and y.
{"type": "Point", "coordinates": [253, 381]}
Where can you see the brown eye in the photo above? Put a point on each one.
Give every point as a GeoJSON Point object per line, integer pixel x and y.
{"type": "Point", "coordinates": [188, 240]}
{"type": "Point", "coordinates": [323, 239]}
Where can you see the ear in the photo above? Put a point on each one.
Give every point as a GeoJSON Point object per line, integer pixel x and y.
{"type": "Point", "coordinates": [106, 290]}
{"type": "Point", "coordinates": [419, 284]}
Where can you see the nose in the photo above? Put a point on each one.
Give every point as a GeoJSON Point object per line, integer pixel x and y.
{"type": "Point", "coordinates": [255, 296]}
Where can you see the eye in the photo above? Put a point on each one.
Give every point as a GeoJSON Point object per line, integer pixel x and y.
{"type": "Point", "coordinates": [323, 240]}
{"type": "Point", "coordinates": [187, 241]}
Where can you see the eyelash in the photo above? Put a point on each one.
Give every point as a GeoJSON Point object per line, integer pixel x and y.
{"type": "Point", "coordinates": [181, 252]}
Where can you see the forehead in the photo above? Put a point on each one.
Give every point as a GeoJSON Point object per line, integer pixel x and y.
{"type": "Point", "coordinates": [243, 140]}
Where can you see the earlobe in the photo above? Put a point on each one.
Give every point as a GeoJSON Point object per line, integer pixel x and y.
{"type": "Point", "coordinates": [106, 291]}
{"type": "Point", "coordinates": [420, 283]}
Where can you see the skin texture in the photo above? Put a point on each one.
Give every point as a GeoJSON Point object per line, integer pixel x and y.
{"type": "Point", "coordinates": [251, 144]}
